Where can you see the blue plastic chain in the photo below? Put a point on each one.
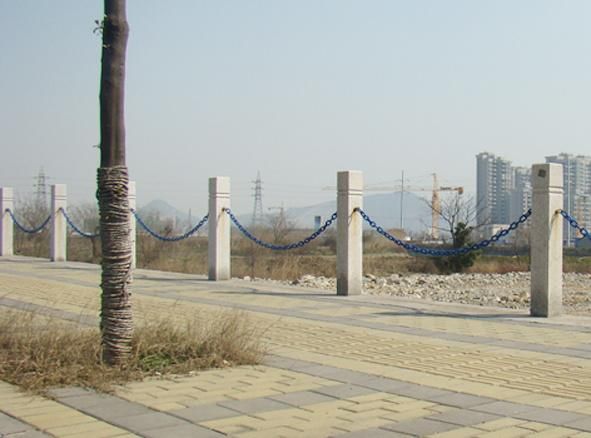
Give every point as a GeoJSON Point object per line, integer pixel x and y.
{"type": "Point", "coordinates": [573, 223]}
{"type": "Point", "coordinates": [24, 229]}
{"type": "Point", "coordinates": [75, 228]}
{"type": "Point", "coordinates": [166, 238]}
{"type": "Point", "coordinates": [289, 246]}
{"type": "Point", "coordinates": [446, 252]}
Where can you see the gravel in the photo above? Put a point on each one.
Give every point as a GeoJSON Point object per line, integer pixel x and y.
{"type": "Point", "coordinates": [509, 290]}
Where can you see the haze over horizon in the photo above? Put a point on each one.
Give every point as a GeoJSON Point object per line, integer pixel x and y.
{"type": "Point", "coordinates": [295, 90]}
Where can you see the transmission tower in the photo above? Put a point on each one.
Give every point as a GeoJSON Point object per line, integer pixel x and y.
{"type": "Point", "coordinates": [41, 188]}
{"type": "Point", "coordinates": [257, 213]}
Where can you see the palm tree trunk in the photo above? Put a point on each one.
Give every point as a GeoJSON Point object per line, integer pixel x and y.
{"type": "Point", "coordinates": [112, 180]}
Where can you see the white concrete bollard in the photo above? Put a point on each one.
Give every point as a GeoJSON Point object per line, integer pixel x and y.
{"type": "Point", "coordinates": [546, 240]}
{"type": "Point", "coordinates": [132, 197]}
{"type": "Point", "coordinates": [58, 235]}
{"type": "Point", "coordinates": [349, 232]}
{"type": "Point", "coordinates": [6, 225]}
{"type": "Point", "coordinates": [218, 246]}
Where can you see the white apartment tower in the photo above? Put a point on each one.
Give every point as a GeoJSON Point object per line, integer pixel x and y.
{"type": "Point", "coordinates": [494, 183]}
{"type": "Point", "coordinates": [521, 192]}
{"type": "Point", "coordinates": [577, 190]}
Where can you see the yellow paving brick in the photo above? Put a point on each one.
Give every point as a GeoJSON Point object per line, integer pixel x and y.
{"type": "Point", "coordinates": [164, 407]}
{"type": "Point", "coordinates": [276, 432]}
{"type": "Point", "coordinates": [575, 406]}
{"type": "Point", "coordinates": [499, 424]}
{"type": "Point", "coordinates": [377, 404]}
{"type": "Point", "coordinates": [89, 429]}
{"type": "Point", "coordinates": [463, 432]}
{"type": "Point", "coordinates": [535, 426]}
{"type": "Point", "coordinates": [51, 421]}
{"type": "Point", "coordinates": [365, 423]}
{"type": "Point", "coordinates": [556, 432]}
{"type": "Point", "coordinates": [408, 415]}
{"type": "Point", "coordinates": [246, 395]}
{"type": "Point", "coordinates": [508, 432]}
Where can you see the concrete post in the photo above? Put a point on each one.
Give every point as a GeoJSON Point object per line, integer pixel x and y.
{"type": "Point", "coordinates": [218, 246]}
{"type": "Point", "coordinates": [349, 232]}
{"type": "Point", "coordinates": [546, 240]}
{"type": "Point", "coordinates": [58, 238]}
{"type": "Point", "coordinates": [6, 225]}
{"type": "Point", "coordinates": [131, 195]}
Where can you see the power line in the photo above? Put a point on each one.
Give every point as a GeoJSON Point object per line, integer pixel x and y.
{"type": "Point", "coordinates": [257, 213]}
{"type": "Point", "coordinates": [41, 188]}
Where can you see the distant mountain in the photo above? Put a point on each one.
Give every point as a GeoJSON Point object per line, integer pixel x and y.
{"type": "Point", "coordinates": [162, 210]}
{"type": "Point", "coordinates": [384, 209]}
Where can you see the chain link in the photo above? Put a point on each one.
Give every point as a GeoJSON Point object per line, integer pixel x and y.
{"type": "Point", "coordinates": [75, 228]}
{"type": "Point", "coordinates": [166, 238]}
{"type": "Point", "coordinates": [573, 223]}
{"type": "Point", "coordinates": [446, 252]}
{"type": "Point", "coordinates": [24, 229]}
{"type": "Point", "coordinates": [289, 246]}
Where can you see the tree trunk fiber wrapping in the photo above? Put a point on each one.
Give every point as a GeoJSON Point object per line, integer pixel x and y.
{"type": "Point", "coordinates": [116, 311]}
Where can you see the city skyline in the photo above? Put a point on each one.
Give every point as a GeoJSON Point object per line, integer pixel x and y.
{"type": "Point", "coordinates": [229, 89]}
{"type": "Point", "coordinates": [504, 191]}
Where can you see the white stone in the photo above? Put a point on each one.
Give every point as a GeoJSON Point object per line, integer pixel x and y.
{"type": "Point", "coordinates": [218, 246]}
{"type": "Point", "coordinates": [6, 225]}
{"type": "Point", "coordinates": [58, 234]}
{"type": "Point", "coordinates": [546, 240]}
{"type": "Point", "coordinates": [349, 232]}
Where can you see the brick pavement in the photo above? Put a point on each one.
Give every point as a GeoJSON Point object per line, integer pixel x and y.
{"type": "Point", "coordinates": [337, 366]}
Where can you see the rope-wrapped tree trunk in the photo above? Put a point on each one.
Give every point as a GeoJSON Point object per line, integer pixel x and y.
{"type": "Point", "coordinates": [116, 312]}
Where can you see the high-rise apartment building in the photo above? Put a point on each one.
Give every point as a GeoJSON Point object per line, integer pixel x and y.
{"type": "Point", "coordinates": [520, 193]}
{"type": "Point", "coordinates": [577, 190]}
{"type": "Point", "coordinates": [494, 182]}
{"type": "Point", "coordinates": [504, 192]}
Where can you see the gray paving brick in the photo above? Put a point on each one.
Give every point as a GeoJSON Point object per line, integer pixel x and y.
{"type": "Point", "coordinates": [197, 414]}
{"type": "Point", "coordinates": [113, 409]}
{"type": "Point", "coordinates": [383, 384]}
{"type": "Point", "coordinates": [345, 390]}
{"type": "Point", "coordinates": [463, 417]}
{"type": "Point", "coordinates": [91, 399]}
{"type": "Point", "coordinates": [420, 392]}
{"type": "Point", "coordinates": [374, 433]}
{"type": "Point", "coordinates": [583, 424]}
{"type": "Point", "coordinates": [460, 400]}
{"type": "Point", "coordinates": [420, 427]}
{"type": "Point", "coordinates": [11, 425]}
{"type": "Point", "coordinates": [145, 422]}
{"type": "Point", "coordinates": [556, 417]}
{"type": "Point", "coordinates": [503, 408]}
{"type": "Point", "coordinates": [182, 431]}
{"type": "Point", "coordinates": [253, 406]}
{"type": "Point", "coordinates": [29, 434]}
{"type": "Point", "coordinates": [301, 398]}
{"type": "Point", "coordinates": [331, 373]}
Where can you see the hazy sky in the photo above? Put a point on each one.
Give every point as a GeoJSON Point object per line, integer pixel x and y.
{"type": "Point", "coordinates": [297, 90]}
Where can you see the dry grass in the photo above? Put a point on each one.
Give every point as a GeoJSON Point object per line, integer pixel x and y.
{"type": "Point", "coordinates": [37, 352]}
{"type": "Point", "coordinates": [319, 258]}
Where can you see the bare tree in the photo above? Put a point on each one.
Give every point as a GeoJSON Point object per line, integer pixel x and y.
{"type": "Point", "coordinates": [116, 313]}
{"type": "Point", "coordinates": [456, 209]}
{"type": "Point", "coordinates": [458, 213]}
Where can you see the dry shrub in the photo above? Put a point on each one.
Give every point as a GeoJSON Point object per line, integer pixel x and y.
{"type": "Point", "coordinates": [500, 264]}
{"type": "Point", "coordinates": [38, 352]}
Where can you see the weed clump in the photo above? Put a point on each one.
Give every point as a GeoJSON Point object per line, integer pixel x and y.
{"type": "Point", "coordinates": [37, 352]}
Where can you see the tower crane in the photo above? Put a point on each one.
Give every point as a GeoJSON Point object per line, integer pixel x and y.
{"type": "Point", "coordinates": [435, 198]}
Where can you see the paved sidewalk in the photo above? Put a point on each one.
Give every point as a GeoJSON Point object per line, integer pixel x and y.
{"type": "Point", "coordinates": [337, 366]}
